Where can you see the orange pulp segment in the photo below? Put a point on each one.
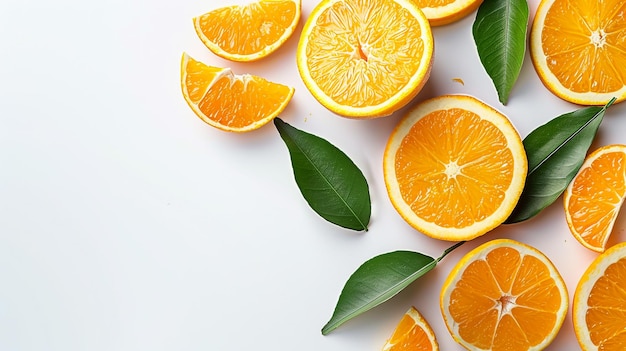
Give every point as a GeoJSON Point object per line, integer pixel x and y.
{"type": "Point", "coordinates": [441, 12]}
{"type": "Point", "coordinates": [231, 102]}
{"type": "Point", "coordinates": [413, 333]}
{"type": "Point", "coordinates": [594, 197]}
{"type": "Point", "coordinates": [248, 32]}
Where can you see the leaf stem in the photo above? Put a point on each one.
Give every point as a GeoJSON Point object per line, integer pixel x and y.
{"type": "Point", "coordinates": [450, 249]}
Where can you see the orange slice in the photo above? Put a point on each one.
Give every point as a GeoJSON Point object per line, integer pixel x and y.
{"type": "Point", "coordinates": [441, 12]}
{"type": "Point", "coordinates": [413, 333]}
{"type": "Point", "coordinates": [359, 59]}
{"type": "Point", "coordinates": [578, 49]}
{"type": "Point", "coordinates": [599, 308]}
{"type": "Point", "coordinates": [248, 32]}
{"type": "Point", "coordinates": [231, 102]}
{"type": "Point", "coordinates": [594, 197]}
{"type": "Point", "coordinates": [504, 295]}
{"type": "Point", "coordinates": [454, 167]}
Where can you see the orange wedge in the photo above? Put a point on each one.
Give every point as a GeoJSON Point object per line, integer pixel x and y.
{"type": "Point", "coordinates": [594, 197]}
{"type": "Point", "coordinates": [599, 309]}
{"type": "Point", "coordinates": [578, 49]}
{"type": "Point", "coordinates": [504, 295]}
{"type": "Point", "coordinates": [248, 32]}
{"type": "Point", "coordinates": [231, 102]}
{"type": "Point", "coordinates": [454, 167]}
{"type": "Point", "coordinates": [413, 333]}
{"type": "Point", "coordinates": [365, 58]}
{"type": "Point", "coordinates": [441, 12]}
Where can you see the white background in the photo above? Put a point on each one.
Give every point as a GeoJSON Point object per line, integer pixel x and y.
{"type": "Point", "coordinates": [126, 223]}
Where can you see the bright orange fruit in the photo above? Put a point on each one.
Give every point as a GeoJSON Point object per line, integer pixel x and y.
{"type": "Point", "coordinates": [504, 296]}
{"type": "Point", "coordinates": [248, 32]}
{"type": "Point", "coordinates": [454, 167]}
{"type": "Point", "coordinates": [365, 58]}
{"type": "Point", "coordinates": [599, 309]}
{"type": "Point", "coordinates": [231, 102]}
{"type": "Point", "coordinates": [441, 12]}
{"type": "Point", "coordinates": [413, 333]}
{"type": "Point", "coordinates": [594, 197]}
{"type": "Point", "coordinates": [578, 49]}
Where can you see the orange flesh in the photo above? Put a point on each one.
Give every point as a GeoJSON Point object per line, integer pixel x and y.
{"type": "Point", "coordinates": [606, 314]}
{"type": "Point", "coordinates": [450, 179]}
{"type": "Point", "coordinates": [360, 56]}
{"type": "Point", "coordinates": [505, 302]}
{"type": "Point", "coordinates": [597, 194]}
{"type": "Point", "coordinates": [433, 3]}
{"type": "Point", "coordinates": [409, 336]}
{"type": "Point", "coordinates": [585, 44]}
{"type": "Point", "coordinates": [248, 29]}
{"type": "Point", "coordinates": [232, 101]}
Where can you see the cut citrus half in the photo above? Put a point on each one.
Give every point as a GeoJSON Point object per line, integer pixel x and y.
{"type": "Point", "coordinates": [594, 197]}
{"type": "Point", "coordinates": [248, 32]}
{"type": "Point", "coordinates": [578, 49]}
{"type": "Point", "coordinates": [454, 167]}
{"type": "Point", "coordinates": [599, 308]}
{"type": "Point", "coordinates": [413, 333]}
{"type": "Point", "coordinates": [504, 295]}
{"type": "Point", "coordinates": [441, 12]}
{"type": "Point", "coordinates": [365, 58]}
{"type": "Point", "coordinates": [231, 102]}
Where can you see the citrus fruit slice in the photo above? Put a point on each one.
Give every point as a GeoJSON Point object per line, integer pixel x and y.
{"type": "Point", "coordinates": [248, 32]}
{"type": "Point", "coordinates": [504, 295]}
{"type": "Point", "coordinates": [359, 58]}
{"type": "Point", "coordinates": [578, 49]}
{"type": "Point", "coordinates": [594, 197]}
{"type": "Point", "coordinates": [599, 306]}
{"type": "Point", "coordinates": [231, 102]}
{"type": "Point", "coordinates": [413, 333]}
{"type": "Point", "coordinates": [441, 12]}
{"type": "Point", "coordinates": [454, 167]}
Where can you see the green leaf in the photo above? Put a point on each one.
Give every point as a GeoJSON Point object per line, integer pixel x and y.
{"type": "Point", "coordinates": [555, 151]}
{"type": "Point", "coordinates": [330, 182]}
{"type": "Point", "coordinates": [500, 36]}
{"type": "Point", "coordinates": [379, 279]}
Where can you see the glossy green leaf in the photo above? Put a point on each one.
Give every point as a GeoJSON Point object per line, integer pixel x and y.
{"type": "Point", "coordinates": [555, 151]}
{"type": "Point", "coordinates": [330, 182]}
{"type": "Point", "coordinates": [500, 36]}
{"type": "Point", "coordinates": [379, 279]}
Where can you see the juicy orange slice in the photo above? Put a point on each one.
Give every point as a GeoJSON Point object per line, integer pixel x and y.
{"type": "Point", "coordinates": [578, 49]}
{"type": "Point", "coordinates": [441, 12]}
{"type": "Point", "coordinates": [359, 59]}
{"type": "Point", "coordinates": [504, 295]}
{"type": "Point", "coordinates": [231, 102]}
{"type": "Point", "coordinates": [413, 333]}
{"type": "Point", "coordinates": [594, 197]}
{"type": "Point", "coordinates": [599, 307]}
{"type": "Point", "coordinates": [454, 167]}
{"type": "Point", "coordinates": [248, 32]}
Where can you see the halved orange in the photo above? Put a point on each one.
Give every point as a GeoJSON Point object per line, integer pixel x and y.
{"type": "Point", "coordinates": [578, 49]}
{"type": "Point", "coordinates": [441, 12]}
{"type": "Point", "coordinates": [248, 32]}
{"type": "Point", "coordinates": [599, 309]}
{"type": "Point", "coordinates": [454, 167]}
{"type": "Point", "coordinates": [504, 295]}
{"type": "Point", "coordinates": [594, 197]}
{"type": "Point", "coordinates": [413, 333]}
{"type": "Point", "coordinates": [228, 101]}
{"type": "Point", "coordinates": [365, 58]}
